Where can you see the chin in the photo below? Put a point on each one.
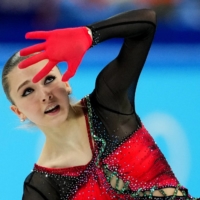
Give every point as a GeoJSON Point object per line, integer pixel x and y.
{"type": "Point", "coordinates": [57, 121]}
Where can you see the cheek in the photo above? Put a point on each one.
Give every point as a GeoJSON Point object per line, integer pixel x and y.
{"type": "Point", "coordinates": [30, 107]}
{"type": "Point", "coordinates": [61, 93]}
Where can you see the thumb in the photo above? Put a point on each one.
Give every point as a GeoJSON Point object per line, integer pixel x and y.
{"type": "Point", "coordinates": [72, 67]}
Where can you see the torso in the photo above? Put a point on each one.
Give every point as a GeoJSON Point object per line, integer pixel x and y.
{"type": "Point", "coordinates": [84, 158]}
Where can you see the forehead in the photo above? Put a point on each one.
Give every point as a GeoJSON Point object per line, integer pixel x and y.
{"type": "Point", "coordinates": [18, 76]}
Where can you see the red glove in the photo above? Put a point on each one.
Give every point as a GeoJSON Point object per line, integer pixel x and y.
{"type": "Point", "coordinates": [68, 45]}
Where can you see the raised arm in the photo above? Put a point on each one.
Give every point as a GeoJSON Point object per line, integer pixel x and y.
{"type": "Point", "coordinates": [137, 28]}
{"type": "Point", "coordinates": [70, 45]}
{"type": "Point", "coordinates": [109, 98]}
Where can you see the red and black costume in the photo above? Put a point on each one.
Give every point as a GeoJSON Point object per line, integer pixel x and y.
{"type": "Point", "coordinates": [122, 146]}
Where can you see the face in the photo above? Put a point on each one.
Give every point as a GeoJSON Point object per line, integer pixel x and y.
{"type": "Point", "coordinates": [46, 102]}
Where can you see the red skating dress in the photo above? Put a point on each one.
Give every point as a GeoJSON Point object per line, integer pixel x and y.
{"type": "Point", "coordinates": [137, 161]}
{"type": "Point", "coordinates": [126, 163]}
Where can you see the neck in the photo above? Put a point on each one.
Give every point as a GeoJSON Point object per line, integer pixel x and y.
{"type": "Point", "coordinates": [66, 137]}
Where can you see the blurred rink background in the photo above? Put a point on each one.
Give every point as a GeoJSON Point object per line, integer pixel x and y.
{"type": "Point", "coordinates": [167, 98]}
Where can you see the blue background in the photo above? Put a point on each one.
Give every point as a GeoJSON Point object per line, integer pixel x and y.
{"type": "Point", "coordinates": [167, 97]}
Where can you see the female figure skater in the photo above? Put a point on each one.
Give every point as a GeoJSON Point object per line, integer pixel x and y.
{"type": "Point", "coordinates": [98, 148]}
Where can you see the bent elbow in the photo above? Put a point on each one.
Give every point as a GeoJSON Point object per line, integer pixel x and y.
{"type": "Point", "coordinates": [151, 16]}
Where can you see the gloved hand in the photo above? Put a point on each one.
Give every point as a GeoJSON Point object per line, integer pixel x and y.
{"type": "Point", "coordinates": [67, 45]}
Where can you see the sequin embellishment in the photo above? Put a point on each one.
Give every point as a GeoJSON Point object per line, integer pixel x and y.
{"type": "Point", "coordinates": [108, 177]}
{"type": "Point", "coordinates": [110, 174]}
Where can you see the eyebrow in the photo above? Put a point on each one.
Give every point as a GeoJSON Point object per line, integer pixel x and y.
{"type": "Point", "coordinates": [24, 83]}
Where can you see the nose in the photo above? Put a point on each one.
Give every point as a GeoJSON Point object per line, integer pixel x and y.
{"type": "Point", "coordinates": [47, 97]}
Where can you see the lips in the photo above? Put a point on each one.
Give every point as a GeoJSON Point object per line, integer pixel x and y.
{"type": "Point", "coordinates": [52, 109]}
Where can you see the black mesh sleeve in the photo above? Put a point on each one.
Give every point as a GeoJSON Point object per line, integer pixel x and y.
{"type": "Point", "coordinates": [37, 186]}
{"type": "Point", "coordinates": [110, 96]}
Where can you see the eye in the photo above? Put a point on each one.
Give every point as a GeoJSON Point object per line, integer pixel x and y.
{"type": "Point", "coordinates": [49, 79]}
{"type": "Point", "coordinates": [27, 91]}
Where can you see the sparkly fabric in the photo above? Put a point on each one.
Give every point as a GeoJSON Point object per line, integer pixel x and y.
{"type": "Point", "coordinates": [137, 161]}
{"type": "Point", "coordinates": [126, 162]}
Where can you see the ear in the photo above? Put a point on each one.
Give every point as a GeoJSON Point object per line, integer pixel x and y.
{"type": "Point", "coordinates": [69, 89]}
{"type": "Point", "coordinates": [17, 112]}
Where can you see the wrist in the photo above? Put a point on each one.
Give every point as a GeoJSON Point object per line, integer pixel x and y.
{"type": "Point", "coordinates": [95, 35]}
{"type": "Point", "coordinates": [89, 32]}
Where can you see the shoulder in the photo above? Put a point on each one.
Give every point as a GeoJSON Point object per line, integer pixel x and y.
{"type": "Point", "coordinates": [40, 186]}
{"type": "Point", "coordinates": [37, 179]}
{"type": "Point", "coordinates": [29, 177]}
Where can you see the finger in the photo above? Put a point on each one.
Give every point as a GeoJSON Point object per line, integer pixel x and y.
{"type": "Point", "coordinates": [41, 74]}
{"type": "Point", "coordinates": [32, 60]}
{"type": "Point", "coordinates": [72, 67]}
{"type": "Point", "coordinates": [36, 35]}
{"type": "Point", "coordinates": [32, 49]}
{"type": "Point", "coordinates": [67, 75]}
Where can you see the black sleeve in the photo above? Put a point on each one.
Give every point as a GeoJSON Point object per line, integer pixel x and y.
{"type": "Point", "coordinates": [110, 96]}
{"type": "Point", "coordinates": [37, 186]}
{"type": "Point", "coordinates": [137, 28]}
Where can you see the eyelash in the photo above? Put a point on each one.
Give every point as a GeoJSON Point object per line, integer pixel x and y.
{"type": "Point", "coordinates": [47, 78]}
